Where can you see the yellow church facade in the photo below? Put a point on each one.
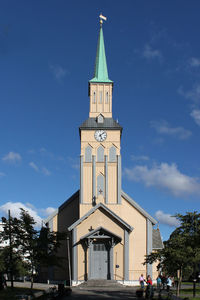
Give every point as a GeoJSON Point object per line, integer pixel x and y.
{"type": "Point", "coordinates": [109, 233]}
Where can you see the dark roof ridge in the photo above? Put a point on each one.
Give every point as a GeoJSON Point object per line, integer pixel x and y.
{"type": "Point", "coordinates": [70, 199]}
{"type": "Point", "coordinates": [109, 123]}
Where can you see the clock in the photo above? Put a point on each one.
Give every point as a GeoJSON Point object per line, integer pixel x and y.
{"type": "Point", "coordinates": [100, 135]}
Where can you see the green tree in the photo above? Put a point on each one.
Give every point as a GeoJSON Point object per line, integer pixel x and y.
{"type": "Point", "coordinates": [19, 267]}
{"type": "Point", "coordinates": [36, 248]}
{"type": "Point", "coordinates": [189, 230]}
{"type": "Point", "coordinates": [10, 233]}
{"type": "Point", "coordinates": [181, 250]}
{"type": "Point", "coordinates": [28, 240]}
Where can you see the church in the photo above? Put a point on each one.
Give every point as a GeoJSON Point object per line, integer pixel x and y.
{"type": "Point", "coordinates": [109, 233]}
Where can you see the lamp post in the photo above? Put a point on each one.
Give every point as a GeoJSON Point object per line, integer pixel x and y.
{"type": "Point", "coordinates": [194, 288]}
{"type": "Point", "coordinates": [69, 263]}
{"type": "Point", "coordinates": [11, 249]}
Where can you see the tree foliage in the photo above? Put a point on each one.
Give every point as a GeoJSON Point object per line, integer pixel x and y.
{"type": "Point", "coordinates": [182, 250]}
{"type": "Point", "coordinates": [19, 266]}
{"type": "Point", "coordinates": [34, 248]}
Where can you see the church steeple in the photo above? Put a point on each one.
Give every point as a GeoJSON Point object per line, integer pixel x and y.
{"type": "Point", "coordinates": [100, 135]}
{"type": "Point", "coordinates": [100, 86]}
{"type": "Point", "coordinates": [100, 71]}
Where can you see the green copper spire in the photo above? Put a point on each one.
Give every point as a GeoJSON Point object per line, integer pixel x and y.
{"type": "Point", "coordinates": [100, 71]}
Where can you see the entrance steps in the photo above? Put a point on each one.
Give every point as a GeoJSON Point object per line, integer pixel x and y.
{"type": "Point", "coordinates": [100, 283]}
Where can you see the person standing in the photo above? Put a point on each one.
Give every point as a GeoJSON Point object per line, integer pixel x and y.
{"type": "Point", "coordinates": [169, 283]}
{"type": "Point", "coordinates": [163, 280]}
{"type": "Point", "coordinates": [149, 280]}
{"type": "Point", "coordinates": [149, 289]}
{"type": "Point", "coordinates": [159, 282]}
{"type": "Point", "coordinates": [141, 281]}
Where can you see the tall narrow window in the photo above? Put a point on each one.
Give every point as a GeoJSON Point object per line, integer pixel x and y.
{"type": "Point", "coordinates": [107, 98]}
{"type": "Point", "coordinates": [100, 185]}
{"type": "Point", "coordinates": [94, 97]}
{"type": "Point", "coordinates": [88, 154]}
{"type": "Point", "coordinates": [100, 97]}
{"type": "Point", "coordinates": [100, 154]}
{"type": "Point", "coordinates": [112, 154]}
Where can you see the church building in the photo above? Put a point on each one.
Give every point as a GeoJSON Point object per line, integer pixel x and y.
{"type": "Point", "coordinates": [109, 233]}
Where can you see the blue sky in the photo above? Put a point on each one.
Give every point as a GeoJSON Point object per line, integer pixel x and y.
{"type": "Point", "coordinates": [47, 55]}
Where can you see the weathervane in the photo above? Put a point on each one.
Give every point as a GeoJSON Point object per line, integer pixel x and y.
{"type": "Point", "coordinates": [101, 19]}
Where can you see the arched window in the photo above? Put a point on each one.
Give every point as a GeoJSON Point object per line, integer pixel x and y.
{"type": "Point", "coordinates": [94, 97]}
{"type": "Point", "coordinates": [100, 97]}
{"type": "Point", "coordinates": [88, 154]}
{"type": "Point", "coordinates": [112, 154]}
{"type": "Point", "coordinates": [100, 154]}
{"type": "Point", "coordinates": [100, 185]}
{"type": "Point", "coordinates": [107, 97]}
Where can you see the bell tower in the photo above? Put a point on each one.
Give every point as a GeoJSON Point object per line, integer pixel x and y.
{"type": "Point", "coordinates": [100, 135]}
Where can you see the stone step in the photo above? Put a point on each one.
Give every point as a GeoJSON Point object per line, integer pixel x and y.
{"type": "Point", "coordinates": [100, 283]}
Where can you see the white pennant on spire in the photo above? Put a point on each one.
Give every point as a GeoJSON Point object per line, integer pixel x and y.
{"type": "Point", "coordinates": [102, 18]}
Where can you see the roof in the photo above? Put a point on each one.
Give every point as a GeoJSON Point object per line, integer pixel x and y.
{"type": "Point", "coordinates": [73, 197]}
{"type": "Point", "coordinates": [108, 123]}
{"type": "Point", "coordinates": [100, 71]}
{"type": "Point", "coordinates": [105, 208]}
{"type": "Point", "coordinates": [126, 196]}
{"type": "Point", "coordinates": [157, 240]}
{"type": "Point", "coordinates": [102, 230]}
{"type": "Point", "coordinates": [138, 207]}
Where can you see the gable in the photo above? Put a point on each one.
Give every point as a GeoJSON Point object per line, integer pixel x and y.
{"type": "Point", "coordinates": [100, 206]}
{"type": "Point", "coordinates": [97, 220]}
{"type": "Point", "coordinates": [101, 232]}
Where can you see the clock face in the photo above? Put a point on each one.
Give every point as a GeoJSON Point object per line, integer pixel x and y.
{"type": "Point", "coordinates": [100, 135]}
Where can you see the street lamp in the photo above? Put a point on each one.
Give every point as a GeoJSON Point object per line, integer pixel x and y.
{"type": "Point", "coordinates": [69, 264]}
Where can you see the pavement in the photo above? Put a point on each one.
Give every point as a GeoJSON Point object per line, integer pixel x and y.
{"type": "Point", "coordinates": [97, 293]}
{"type": "Point", "coordinates": [88, 293]}
{"type": "Point", "coordinates": [27, 284]}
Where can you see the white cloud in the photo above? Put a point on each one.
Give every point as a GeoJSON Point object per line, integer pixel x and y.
{"type": "Point", "coordinates": [34, 166]}
{"type": "Point", "coordinates": [42, 170]}
{"type": "Point", "coordinates": [194, 62]}
{"type": "Point", "coordinates": [15, 211]}
{"type": "Point", "coordinates": [58, 71]}
{"type": "Point", "coordinates": [14, 208]}
{"type": "Point", "coordinates": [162, 127]}
{"type": "Point", "coordinates": [195, 114]}
{"type": "Point", "coordinates": [30, 205]}
{"type": "Point", "coordinates": [165, 176]}
{"type": "Point", "coordinates": [150, 53]}
{"type": "Point", "coordinates": [45, 171]}
{"type": "Point", "coordinates": [48, 211]}
{"type": "Point", "coordinates": [139, 157]}
{"type": "Point", "coordinates": [12, 157]}
{"type": "Point", "coordinates": [166, 219]}
{"type": "Point", "coordinates": [193, 94]}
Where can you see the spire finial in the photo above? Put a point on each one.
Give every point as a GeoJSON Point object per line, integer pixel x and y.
{"type": "Point", "coordinates": [101, 19]}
